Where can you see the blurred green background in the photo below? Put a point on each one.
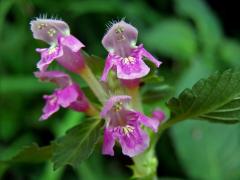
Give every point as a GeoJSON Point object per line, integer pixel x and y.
{"type": "Point", "coordinates": [193, 38]}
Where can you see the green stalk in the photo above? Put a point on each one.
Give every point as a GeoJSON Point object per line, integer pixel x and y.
{"type": "Point", "coordinates": [136, 97]}
{"type": "Point", "coordinates": [93, 83]}
{"type": "Point", "coordinates": [145, 164]}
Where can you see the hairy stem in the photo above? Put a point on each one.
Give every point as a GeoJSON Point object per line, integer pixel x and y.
{"type": "Point", "coordinates": [145, 165]}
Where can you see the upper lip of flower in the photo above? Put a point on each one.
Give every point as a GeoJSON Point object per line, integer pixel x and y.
{"type": "Point", "coordinates": [48, 29]}
{"type": "Point", "coordinates": [111, 102]}
{"type": "Point", "coordinates": [119, 31]}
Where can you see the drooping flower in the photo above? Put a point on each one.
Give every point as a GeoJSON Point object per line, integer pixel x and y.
{"type": "Point", "coordinates": [124, 56]}
{"type": "Point", "coordinates": [124, 125]}
{"type": "Point", "coordinates": [68, 95]}
{"type": "Point", "coordinates": [64, 48]}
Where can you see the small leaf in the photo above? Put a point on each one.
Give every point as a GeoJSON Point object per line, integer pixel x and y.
{"type": "Point", "coordinates": [31, 154]}
{"type": "Point", "coordinates": [77, 145]}
{"type": "Point", "coordinates": [216, 98]}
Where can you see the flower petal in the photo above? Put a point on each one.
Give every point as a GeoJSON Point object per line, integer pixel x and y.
{"type": "Point", "coordinates": [47, 56]}
{"type": "Point", "coordinates": [72, 59]}
{"type": "Point", "coordinates": [48, 29]}
{"type": "Point", "coordinates": [150, 57]}
{"type": "Point", "coordinates": [120, 34]}
{"type": "Point", "coordinates": [50, 107]}
{"type": "Point", "coordinates": [158, 114]}
{"type": "Point", "coordinates": [152, 123]}
{"type": "Point", "coordinates": [108, 66]}
{"type": "Point", "coordinates": [67, 95]}
{"type": "Point", "coordinates": [111, 102]}
{"type": "Point", "coordinates": [134, 70]}
{"type": "Point", "coordinates": [81, 104]}
{"type": "Point", "coordinates": [57, 77]}
{"type": "Point", "coordinates": [108, 143]}
{"type": "Point", "coordinates": [71, 42]}
{"type": "Point", "coordinates": [134, 143]}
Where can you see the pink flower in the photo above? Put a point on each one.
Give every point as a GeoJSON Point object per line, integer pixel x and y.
{"type": "Point", "coordinates": [124, 125]}
{"type": "Point", "coordinates": [124, 56]}
{"type": "Point", "coordinates": [158, 115]}
{"type": "Point", "coordinates": [68, 95]}
{"type": "Point", "coordinates": [64, 47]}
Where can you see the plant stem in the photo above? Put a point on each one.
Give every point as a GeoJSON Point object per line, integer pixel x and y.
{"type": "Point", "coordinates": [136, 97]}
{"type": "Point", "coordinates": [93, 83]}
{"type": "Point", "coordinates": [145, 165]}
{"type": "Point", "coordinates": [92, 111]}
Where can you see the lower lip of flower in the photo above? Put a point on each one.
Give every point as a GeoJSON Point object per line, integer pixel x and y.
{"type": "Point", "coordinates": [128, 129]}
{"type": "Point", "coordinates": [129, 60]}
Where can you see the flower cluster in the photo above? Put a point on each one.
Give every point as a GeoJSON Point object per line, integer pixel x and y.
{"type": "Point", "coordinates": [123, 123]}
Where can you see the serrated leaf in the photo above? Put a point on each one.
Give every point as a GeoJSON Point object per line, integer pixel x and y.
{"type": "Point", "coordinates": [31, 154]}
{"type": "Point", "coordinates": [216, 99]}
{"type": "Point", "coordinates": [172, 37]}
{"type": "Point", "coordinates": [77, 145]}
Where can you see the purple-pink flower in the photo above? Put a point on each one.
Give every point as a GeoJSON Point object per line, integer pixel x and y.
{"type": "Point", "coordinates": [124, 56]}
{"type": "Point", "coordinates": [64, 47]}
{"type": "Point", "coordinates": [158, 115]}
{"type": "Point", "coordinates": [68, 95]}
{"type": "Point", "coordinates": [124, 125]}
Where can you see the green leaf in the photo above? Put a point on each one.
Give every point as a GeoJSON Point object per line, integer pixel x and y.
{"type": "Point", "coordinates": [229, 51]}
{"type": "Point", "coordinates": [31, 154]}
{"type": "Point", "coordinates": [24, 84]}
{"type": "Point", "coordinates": [174, 38]}
{"type": "Point", "coordinates": [77, 145]}
{"type": "Point", "coordinates": [207, 24]}
{"type": "Point", "coordinates": [208, 151]}
{"type": "Point", "coordinates": [216, 99]}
